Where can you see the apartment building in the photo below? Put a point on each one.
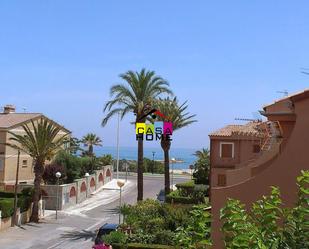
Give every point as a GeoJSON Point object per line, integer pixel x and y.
{"type": "Point", "coordinates": [246, 160]}
{"type": "Point", "coordinates": [13, 121]}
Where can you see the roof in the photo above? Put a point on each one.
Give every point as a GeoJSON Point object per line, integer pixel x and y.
{"type": "Point", "coordinates": [249, 129]}
{"type": "Point", "coordinates": [305, 93]}
{"type": "Point", "coordinates": [12, 119]}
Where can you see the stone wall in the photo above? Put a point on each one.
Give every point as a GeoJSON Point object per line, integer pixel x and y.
{"type": "Point", "coordinates": [76, 192]}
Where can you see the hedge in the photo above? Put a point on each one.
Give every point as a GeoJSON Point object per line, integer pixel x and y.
{"type": "Point", "coordinates": [6, 207]}
{"type": "Point", "coordinates": [141, 246]}
{"type": "Point", "coordinates": [180, 199]}
{"type": "Point", "coordinates": [7, 202]}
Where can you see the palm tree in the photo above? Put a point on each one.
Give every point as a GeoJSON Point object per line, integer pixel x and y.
{"type": "Point", "coordinates": [41, 142]}
{"type": "Point", "coordinates": [202, 166]}
{"type": "Point", "coordinates": [137, 95]}
{"type": "Point", "coordinates": [178, 115]}
{"type": "Point", "coordinates": [202, 154]}
{"type": "Point", "coordinates": [91, 140]}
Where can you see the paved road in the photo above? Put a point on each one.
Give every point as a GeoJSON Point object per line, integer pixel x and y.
{"type": "Point", "coordinates": [75, 227]}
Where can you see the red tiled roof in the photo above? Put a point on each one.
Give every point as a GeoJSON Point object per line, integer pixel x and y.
{"type": "Point", "coordinates": [249, 129]}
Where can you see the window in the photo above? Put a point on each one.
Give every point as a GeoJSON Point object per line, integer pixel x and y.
{"type": "Point", "coordinates": [221, 180]}
{"type": "Point", "coordinates": [1, 164]}
{"type": "Point", "coordinates": [226, 150]}
{"type": "Point", "coordinates": [256, 148]}
{"type": "Point", "coordinates": [25, 163]}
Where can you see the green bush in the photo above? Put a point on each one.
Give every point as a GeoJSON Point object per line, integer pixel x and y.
{"type": "Point", "coordinates": [268, 224]}
{"type": "Point", "coordinates": [115, 237]}
{"type": "Point", "coordinates": [164, 237]}
{"type": "Point", "coordinates": [24, 202]}
{"type": "Point", "coordinates": [7, 201]}
{"type": "Point", "coordinates": [7, 207]}
{"type": "Point", "coordinates": [196, 233]}
{"type": "Point", "coordinates": [179, 199]}
{"type": "Point", "coordinates": [4, 194]}
{"type": "Point", "coordinates": [141, 246]}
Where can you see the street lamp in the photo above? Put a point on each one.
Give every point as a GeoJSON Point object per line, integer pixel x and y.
{"type": "Point", "coordinates": [153, 163]}
{"type": "Point", "coordinates": [58, 175]}
{"type": "Point", "coordinates": [173, 160]}
{"type": "Point", "coordinates": [120, 185]}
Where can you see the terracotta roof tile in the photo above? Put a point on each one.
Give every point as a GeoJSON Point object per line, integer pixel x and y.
{"type": "Point", "coordinates": [249, 129]}
{"type": "Point", "coordinates": [12, 119]}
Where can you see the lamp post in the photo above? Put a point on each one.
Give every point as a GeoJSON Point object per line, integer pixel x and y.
{"type": "Point", "coordinates": [118, 125]}
{"type": "Point", "coordinates": [173, 160]}
{"type": "Point", "coordinates": [120, 185]}
{"type": "Point", "coordinates": [153, 163]}
{"type": "Point", "coordinates": [58, 175]}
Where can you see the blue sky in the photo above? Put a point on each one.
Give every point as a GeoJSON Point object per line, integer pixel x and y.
{"type": "Point", "coordinates": [227, 58]}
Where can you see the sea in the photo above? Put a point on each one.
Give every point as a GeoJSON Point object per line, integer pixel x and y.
{"type": "Point", "coordinates": [130, 153]}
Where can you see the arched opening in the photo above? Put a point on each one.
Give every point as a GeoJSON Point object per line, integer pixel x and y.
{"type": "Point", "coordinates": [108, 173]}
{"type": "Point", "coordinates": [101, 177]}
{"type": "Point", "coordinates": [92, 183]}
{"type": "Point", "coordinates": [83, 187]}
{"type": "Point", "coordinates": [72, 192]}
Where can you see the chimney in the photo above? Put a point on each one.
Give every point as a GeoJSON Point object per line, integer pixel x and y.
{"type": "Point", "coordinates": [9, 109]}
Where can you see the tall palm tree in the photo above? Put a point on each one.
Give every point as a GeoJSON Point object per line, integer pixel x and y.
{"type": "Point", "coordinates": [178, 115]}
{"type": "Point", "coordinates": [136, 95]}
{"type": "Point", "coordinates": [91, 140]}
{"type": "Point", "coordinates": [41, 141]}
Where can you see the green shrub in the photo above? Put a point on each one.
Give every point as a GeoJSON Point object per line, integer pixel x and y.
{"type": "Point", "coordinates": [7, 207]}
{"type": "Point", "coordinates": [115, 237]}
{"type": "Point", "coordinates": [24, 202]}
{"type": "Point", "coordinates": [7, 201]}
{"type": "Point", "coordinates": [141, 246]}
{"type": "Point", "coordinates": [196, 233]}
{"type": "Point", "coordinates": [4, 194]}
{"type": "Point", "coordinates": [268, 224]}
{"type": "Point", "coordinates": [164, 237]}
{"type": "Point", "coordinates": [179, 199]}
{"type": "Point", "coordinates": [27, 191]}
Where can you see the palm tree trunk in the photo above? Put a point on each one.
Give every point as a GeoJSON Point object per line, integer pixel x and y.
{"type": "Point", "coordinates": [140, 162]}
{"type": "Point", "coordinates": [38, 172]}
{"type": "Point", "coordinates": [165, 145]}
{"type": "Point", "coordinates": [90, 150]}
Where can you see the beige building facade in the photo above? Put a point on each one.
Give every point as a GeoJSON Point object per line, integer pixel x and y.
{"type": "Point", "coordinates": [10, 121]}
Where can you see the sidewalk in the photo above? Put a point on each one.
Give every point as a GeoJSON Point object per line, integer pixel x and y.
{"type": "Point", "coordinates": [81, 218]}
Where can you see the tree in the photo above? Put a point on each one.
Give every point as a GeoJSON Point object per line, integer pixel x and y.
{"type": "Point", "coordinates": [202, 166]}
{"type": "Point", "coordinates": [50, 170]}
{"type": "Point", "coordinates": [72, 145]}
{"type": "Point", "coordinates": [41, 141]}
{"type": "Point", "coordinates": [178, 115]}
{"type": "Point", "coordinates": [136, 95]}
{"type": "Point", "coordinates": [91, 140]}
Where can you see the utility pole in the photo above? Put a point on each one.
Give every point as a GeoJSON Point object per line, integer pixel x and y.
{"type": "Point", "coordinates": [118, 124]}
{"type": "Point", "coordinates": [15, 191]}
